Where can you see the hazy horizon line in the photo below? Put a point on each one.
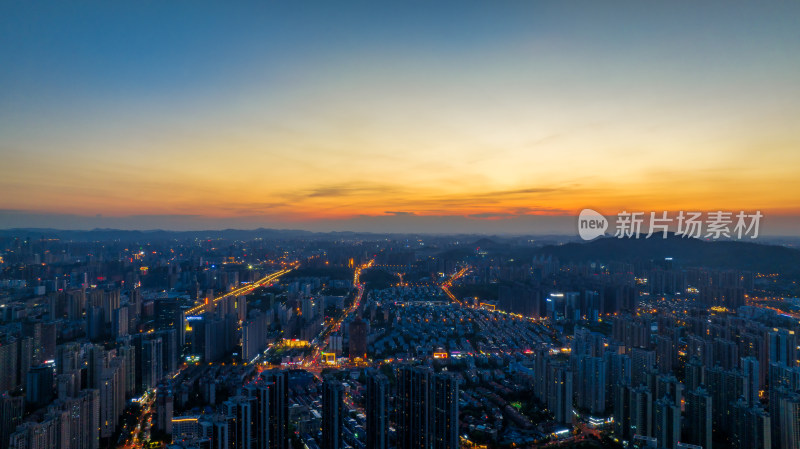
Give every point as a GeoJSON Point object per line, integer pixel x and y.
{"type": "Point", "coordinates": [397, 223]}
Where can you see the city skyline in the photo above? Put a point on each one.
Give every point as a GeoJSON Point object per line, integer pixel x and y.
{"type": "Point", "coordinates": [380, 341]}
{"type": "Point", "coordinates": [470, 118]}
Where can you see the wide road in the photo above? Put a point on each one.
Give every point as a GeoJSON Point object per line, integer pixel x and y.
{"type": "Point", "coordinates": [141, 433]}
{"type": "Point", "coordinates": [449, 283]}
{"type": "Point", "coordinates": [321, 341]}
{"type": "Point", "coordinates": [245, 289]}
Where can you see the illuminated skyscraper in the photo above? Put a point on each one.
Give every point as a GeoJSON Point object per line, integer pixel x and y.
{"type": "Point", "coordinates": [667, 428]}
{"type": "Point", "coordinates": [332, 414]}
{"type": "Point", "coordinates": [559, 393]}
{"type": "Point", "coordinates": [445, 412]}
{"type": "Point", "coordinates": [377, 408]}
{"type": "Point", "coordinates": [427, 413]}
{"type": "Point", "coordinates": [11, 410]}
{"type": "Point", "coordinates": [751, 427]}
{"type": "Point", "coordinates": [698, 417]}
{"type": "Point", "coordinates": [358, 338]}
{"type": "Point", "coordinates": [274, 400]}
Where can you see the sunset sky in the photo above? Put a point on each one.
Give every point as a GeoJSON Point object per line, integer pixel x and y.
{"type": "Point", "coordinates": [479, 116]}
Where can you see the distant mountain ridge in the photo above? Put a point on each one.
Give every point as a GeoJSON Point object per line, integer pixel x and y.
{"type": "Point", "coordinates": [159, 234]}
{"type": "Point", "coordinates": [685, 252]}
{"type": "Point", "coordinates": [747, 255]}
{"type": "Point", "coordinates": [236, 234]}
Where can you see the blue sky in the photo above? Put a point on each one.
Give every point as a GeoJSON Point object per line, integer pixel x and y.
{"type": "Point", "coordinates": [315, 115]}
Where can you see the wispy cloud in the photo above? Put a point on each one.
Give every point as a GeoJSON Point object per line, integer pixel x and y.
{"type": "Point", "coordinates": [342, 190]}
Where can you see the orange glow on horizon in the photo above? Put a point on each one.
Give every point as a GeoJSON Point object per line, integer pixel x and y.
{"type": "Point", "coordinates": [298, 118]}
